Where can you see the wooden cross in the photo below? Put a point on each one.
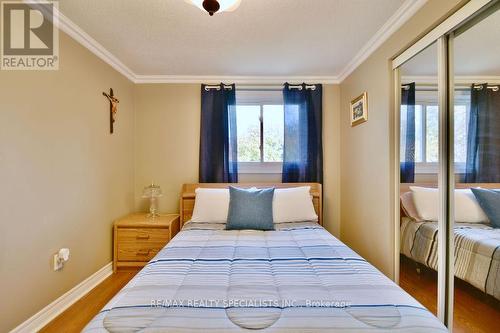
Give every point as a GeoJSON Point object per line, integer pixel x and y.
{"type": "Point", "coordinates": [113, 108]}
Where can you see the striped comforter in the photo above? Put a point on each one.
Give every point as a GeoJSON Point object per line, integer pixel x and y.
{"type": "Point", "coordinates": [298, 278]}
{"type": "Point", "coordinates": [477, 251]}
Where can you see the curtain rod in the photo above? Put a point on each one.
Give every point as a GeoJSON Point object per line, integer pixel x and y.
{"type": "Point", "coordinates": [263, 87]}
{"type": "Point", "coordinates": [458, 87]}
{"type": "Point", "coordinates": [275, 87]}
{"type": "Point", "coordinates": [480, 87]}
{"type": "Point", "coordinates": [217, 87]}
{"type": "Point", "coordinates": [299, 87]}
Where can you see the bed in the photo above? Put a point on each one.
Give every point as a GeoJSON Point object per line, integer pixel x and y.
{"type": "Point", "coordinates": [297, 278]}
{"type": "Point", "coordinates": [477, 248]}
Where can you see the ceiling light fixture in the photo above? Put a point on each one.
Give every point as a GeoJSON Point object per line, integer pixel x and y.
{"type": "Point", "coordinates": [213, 6]}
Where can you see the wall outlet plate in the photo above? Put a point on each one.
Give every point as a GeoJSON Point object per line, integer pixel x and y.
{"type": "Point", "coordinates": [57, 264]}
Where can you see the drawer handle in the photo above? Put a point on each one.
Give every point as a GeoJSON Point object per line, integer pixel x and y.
{"type": "Point", "coordinates": [143, 252]}
{"type": "Point", "coordinates": [142, 236]}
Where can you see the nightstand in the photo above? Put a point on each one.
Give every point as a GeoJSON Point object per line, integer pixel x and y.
{"type": "Point", "coordinates": [137, 238]}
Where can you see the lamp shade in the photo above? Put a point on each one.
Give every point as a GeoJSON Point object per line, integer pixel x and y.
{"type": "Point", "coordinates": [152, 191]}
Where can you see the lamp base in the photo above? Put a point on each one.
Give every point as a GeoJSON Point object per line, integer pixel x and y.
{"type": "Point", "coordinates": [153, 208]}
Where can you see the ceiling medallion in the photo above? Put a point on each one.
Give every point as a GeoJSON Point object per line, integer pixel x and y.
{"type": "Point", "coordinates": [214, 6]}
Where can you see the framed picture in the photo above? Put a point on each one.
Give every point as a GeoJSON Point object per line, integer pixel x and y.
{"type": "Point", "coordinates": [359, 109]}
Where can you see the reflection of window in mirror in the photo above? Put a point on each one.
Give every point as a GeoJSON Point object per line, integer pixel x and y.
{"type": "Point", "coordinates": [419, 128]}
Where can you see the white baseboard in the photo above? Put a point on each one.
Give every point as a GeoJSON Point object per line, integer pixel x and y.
{"type": "Point", "coordinates": [51, 311]}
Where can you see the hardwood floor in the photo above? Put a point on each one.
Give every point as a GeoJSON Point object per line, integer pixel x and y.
{"type": "Point", "coordinates": [474, 310]}
{"type": "Point", "coordinates": [79, 314]}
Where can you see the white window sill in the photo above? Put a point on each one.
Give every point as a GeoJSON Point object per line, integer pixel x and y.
{"type": "Point", "coordinates": [260, 167]}
{"type": "Point", "coordinates": [433, 168]}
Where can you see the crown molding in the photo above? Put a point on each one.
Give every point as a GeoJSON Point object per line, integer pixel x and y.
{"type": "Point", "coordinates": [144, 79]}
{"type": "Point", "coordinates": [396, 21]}
{"type": "Point", "coordinates": [402, 15]}
{"type": "Point", "coordinates": [94, 46]}
{"type": "Point", "coordinates": [78, 34]}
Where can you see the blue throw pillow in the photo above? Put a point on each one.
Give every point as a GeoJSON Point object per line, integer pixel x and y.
{"type": "Point", "coordinates": [489, 200]}
{"type": "Point", "coordinates": [250, 209]}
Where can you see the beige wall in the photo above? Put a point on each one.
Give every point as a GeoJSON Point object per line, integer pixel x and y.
{"type": "Point", "coordinates": [63, 177]}
{"type": "Point", "coordinates": [331, 158]}
{"type": "Point", "coordinates": [167, 145]}
{"type": "Point", "coordinates": [366, 216]}
{"type": "Point", "coordinates": [167, 140]}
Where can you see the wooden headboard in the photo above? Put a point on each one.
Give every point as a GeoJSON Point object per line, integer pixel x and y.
{"type": "Point", "coordinates": [188, 195]}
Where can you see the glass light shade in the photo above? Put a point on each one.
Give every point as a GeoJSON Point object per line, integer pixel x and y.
{"type": "Point", "coordinates": [225, 5]}
{"type": "Point", "coordinates": [152, 192]}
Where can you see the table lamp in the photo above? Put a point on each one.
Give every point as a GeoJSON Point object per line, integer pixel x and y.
{"type": "Point", "coordinates": [153, 192]}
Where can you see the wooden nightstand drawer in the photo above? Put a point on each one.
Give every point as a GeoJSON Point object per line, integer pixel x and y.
{"type": "Point", "coordinates": [137, 238]}
{"type": "Point", "coordinates": [140, 244]}
{"type": "Point", "coordinates": [143, 236]}
{"type": "Point", "coordinates": [139, 254]}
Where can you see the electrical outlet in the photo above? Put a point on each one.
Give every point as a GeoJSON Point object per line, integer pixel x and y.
{"type": "Point", "coordinates": [58, 264]}
{"type": "Point", "coordinates": [60, 258]}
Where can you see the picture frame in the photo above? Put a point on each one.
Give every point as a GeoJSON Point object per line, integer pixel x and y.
{"type": "Point", "coordinates": [359, 109]}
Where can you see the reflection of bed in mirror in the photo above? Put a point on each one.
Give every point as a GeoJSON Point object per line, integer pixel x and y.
{"type": "Point", "coordinates": [477, 244]}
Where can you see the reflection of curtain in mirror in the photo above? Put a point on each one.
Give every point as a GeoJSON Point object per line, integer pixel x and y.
{"type": "Point", "coordinates": [408, 133]}
{"type": "Point", "coordinates": [483, 141]}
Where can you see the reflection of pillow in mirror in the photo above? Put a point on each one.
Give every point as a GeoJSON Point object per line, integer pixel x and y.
{"type": "Point", "coordinates": [409, 206]}
{"type": "Point", "coordinates": [489, 200]}
{"type": "Point", "coordinates": [467, 208]}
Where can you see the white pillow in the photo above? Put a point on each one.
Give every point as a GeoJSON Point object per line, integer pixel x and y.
{"type": "Point", "coordinates": [211, 205]}
{"type": "Point", "coordinates": [467, 208]}
{"type": "Point", "coordinates": [293, 205]}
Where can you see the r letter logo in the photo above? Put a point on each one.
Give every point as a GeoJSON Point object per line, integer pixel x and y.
{"type": "Point", "coordinates": [29, 35]}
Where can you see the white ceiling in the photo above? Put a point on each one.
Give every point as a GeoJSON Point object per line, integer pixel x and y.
{"type": "Point", "coordinates": [476, 52]}
{"type": "Point", "coordinates": [260, 38]}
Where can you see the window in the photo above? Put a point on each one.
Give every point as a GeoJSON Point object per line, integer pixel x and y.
{"type": "Point", "coordinates": [260, 131]}
{"type": "Point", "coordinates": [427, 131]}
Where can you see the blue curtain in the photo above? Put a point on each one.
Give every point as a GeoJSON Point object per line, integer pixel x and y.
{"type": "Point", "coordinates": [483, 139]}
{"type": "Point", "coordinates": [218, 141]}
{"type": "Point", "coordinates": [408, 133]}
{"type": "Point", "coordinates": [303, 147]}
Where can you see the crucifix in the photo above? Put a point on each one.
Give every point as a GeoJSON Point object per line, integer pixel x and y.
{"type": "Point", "coordinates": [113, 108]}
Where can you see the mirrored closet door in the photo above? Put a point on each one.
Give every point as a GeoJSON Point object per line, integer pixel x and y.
{"type": "Point", "coordinates": [475, 58]}
{"type": "Point", "coordinates": [419, 153]}
{"type": "Point", "coordinates": [447, 130]}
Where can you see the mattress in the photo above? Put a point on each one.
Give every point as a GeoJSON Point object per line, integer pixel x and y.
{"type": "Point", "coordinates": [477, 251]}
{"type": "Point", "coordinates": [298, 278]}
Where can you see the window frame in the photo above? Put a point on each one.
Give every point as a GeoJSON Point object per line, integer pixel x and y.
{"type": "Point", "coordinates": [425, 101]}
{"type": "Point", "coordinates": [260, 98]}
